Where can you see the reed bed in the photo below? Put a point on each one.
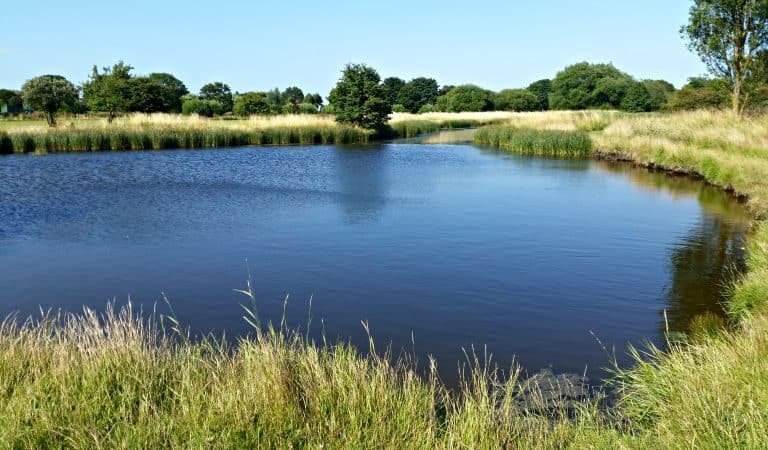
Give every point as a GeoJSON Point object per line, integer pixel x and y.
{"type": "Point", "coordinates": [166, 131]}
{"type": "Point", "coordinates": [405, 125]}
{"type": "Point", "coordinates": [529, 141]}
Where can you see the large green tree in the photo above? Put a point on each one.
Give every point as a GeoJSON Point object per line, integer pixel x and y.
{"type": "Point", "coordinates": [110, 90]}
{"type": "Point", "coordinates": [469, 97]}
{"type": "Point", "coordinates": [731, 37]}
{"type": "Point", "coordinates": [392, 85]}
{"type": "Point", "coordinates": [171, 90]}
{"type": "Point", "coordinates": [292, 97]}
{"type": "Point", "coordinates": [417, 93]}
{"type": "Point", "coordinates": [49, 94]}
{"type": "Point", "coordinates": [541, 88]}
{"type": "Point", "coordinates": [219, 92]}
{"type": "Point", "coordinates": [359, 98]}
{"type": "Point", "coordinates": [585, 86]}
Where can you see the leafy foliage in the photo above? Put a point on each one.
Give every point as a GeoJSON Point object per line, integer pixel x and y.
{"type": "Point", "coordinates": [701, 93]}
{"type": "Point", "coordinates": [359, 98]}
{"type": "Point", "coordinates": [417, 93]}
{"type": "Point", "coordinates": [637, 99]}
{"type": "Point", "coordinates": [49, 94]}
{"type": "Point", "coordinates": [469, 97]}
{"type": "Point", "coordinates": [731, 37]}
{"type": "Point", "coordinates": [202, 107]}
{"type": "Point", "coordinates": [392, 85]}
{"type": "Point", "coordinates": [587, 86]}
{"type": "Point", "coordinates": [219, 92]}
{"type": "Point", "coordinates": [541, 89]}
{"type": "Point", "coordinates": [517, 100]}
{"type": "Point", "coordinates": [250, 103]}
{"type": "Point", "coordinates": [109, 91]}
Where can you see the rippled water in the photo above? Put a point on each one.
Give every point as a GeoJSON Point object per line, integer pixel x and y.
{"type": "Point", "coordinates": [438, 247]}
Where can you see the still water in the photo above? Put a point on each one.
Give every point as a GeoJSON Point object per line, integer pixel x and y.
{"type": "Point", "coordinates": [438, 247]}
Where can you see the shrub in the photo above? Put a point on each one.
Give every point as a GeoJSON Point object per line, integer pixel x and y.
{"type": "Point", "coordinates": [469, 97]}
{"type": "Point", "coordinates": [249, 104]}
{"type": "Point", "coordinates": [206, 108]}
{"type": "Point", "coordinates": [517, 100]}
{"type": "Point", "coordinates": [589, 86]}
{"type": "Point", "coordinates": [637, 99]}
{"type": "Point", "coordinates": [428, 108]}
{"type": "Point", "coordinates": [398, 108]}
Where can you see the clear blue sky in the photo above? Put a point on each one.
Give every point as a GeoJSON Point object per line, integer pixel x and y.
{"type": "Point", "coordinates": [255, 45]}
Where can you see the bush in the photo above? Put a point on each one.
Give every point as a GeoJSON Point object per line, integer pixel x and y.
{"type": "Point", "coordinates": [307, 108]}
{"type": "Point", "coordinates": [428, 108]}
{"type": "Point", "coordinates": [398, 108]}
{"type": "Point", "coordinates": [249, 104]}
{"type": "Point", "coordinates": [637, 99]}
{"type": "Point", "coordinates": [517, 100]}
{"type": "Point", "coordinates": [206, 108]}
{"type": "Point", "coordinates": [469, 98]}
{"type": "Point", "coordinates": [701, 93]}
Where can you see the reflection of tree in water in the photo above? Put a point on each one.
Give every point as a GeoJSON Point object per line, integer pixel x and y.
{"type": "Point", "coordinates": [702, 266]}
{"type": "Point", "coordinates": [707, 260]}
{"type": "Point", "coordinates": [363, 182]}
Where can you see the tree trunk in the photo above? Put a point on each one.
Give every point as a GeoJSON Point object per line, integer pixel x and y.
{"type": "Point", "coordinates": [111, 117]}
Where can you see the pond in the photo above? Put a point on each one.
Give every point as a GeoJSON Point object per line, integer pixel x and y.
{"type": "Point", "coordinates": [439, 248]}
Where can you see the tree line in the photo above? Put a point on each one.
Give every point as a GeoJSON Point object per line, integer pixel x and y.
{"type": "Point", "coordinates": [731, 37]}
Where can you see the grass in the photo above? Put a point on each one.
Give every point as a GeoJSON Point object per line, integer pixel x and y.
{"type": "Point", "coordinates": [529, 141]}
{"type": "Point", "coordinates": [405, 125]}
{"type": "Point", "coordinates": [84, 381]}
{"type": "Point", "coordinates": [166, 131]}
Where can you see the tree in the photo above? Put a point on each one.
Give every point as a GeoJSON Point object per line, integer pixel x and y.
{"type": "Point", "coordinates": [359, 98]}
{"type": "Point", "coordinates": [417, 93]}
{"type": "Point", "coordinates": [109, 91]}
{"type": "Point", "coordinates": [392, 85]}
{"type": "Point", "coordinates": [145, 95]}
{"type": "Point", "coordinates": [49, 94]}
{"type": "Point", "coordinates": [171, 91]}
{"type": "Point", "coordinates": [637, 99]}
{"type": "Point", "coordinates": [541, 89]}
{"type": "Point", "coordinates": [274, 99]}
{"type": "Point", "coordinates": [660, 91]}
{"type": "Point", "coordinates": [219, 92]}
{"type": "Point", "coordinates": [585, 85]}
{"type": "Point", "coordinates": [731, 37]}
{"type": "Point", "coordinates": [314, 99]}
{"type": "Point", "coordinates": [293, 96]}
{"type": "Point", "coordinates": [517, 100]}
{"type": "Point", "coordinates": [468, 97]}
{"type": "Point", "coordinates": [12, 99]}
{"type": "Point", "coordinates": [250, 103]}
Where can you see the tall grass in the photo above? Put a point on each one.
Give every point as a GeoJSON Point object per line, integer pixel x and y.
{"type": "Point", "coordinates": [116, 380]}
{"type": "Point", "coordinates": [165, 131]}
{"type": "Point", "coordinates": [405, 125]}
{"type": "Point", "coordinates": [529, 141]}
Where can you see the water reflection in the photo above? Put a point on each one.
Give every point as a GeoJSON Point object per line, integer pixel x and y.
{"type": "Point", "coordinates": [707, 258]}
{"type": "Point", "coordinates": [362, 182]}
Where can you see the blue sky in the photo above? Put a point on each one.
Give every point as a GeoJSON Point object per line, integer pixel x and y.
{"type": "Point", "coordinates": [253, 45]}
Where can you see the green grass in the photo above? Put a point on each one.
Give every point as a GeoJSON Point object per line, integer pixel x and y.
{"type": "Point", "coordinates": [415, 127]}
{"type": "Point", "coordinates": [104, 139]}
{"type": "Point", "coordinates": [528, 141]}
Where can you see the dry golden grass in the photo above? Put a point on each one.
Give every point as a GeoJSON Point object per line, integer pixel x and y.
{"type": "Point", "coordinates": [483, 117]}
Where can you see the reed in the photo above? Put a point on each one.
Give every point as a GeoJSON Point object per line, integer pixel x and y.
{"type": "Point", "coordinates": [166, 131]}
{"type": "Point", "coordinates": [528, 141]}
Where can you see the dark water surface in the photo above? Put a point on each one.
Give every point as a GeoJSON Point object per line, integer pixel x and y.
{"type": "Point", "coordinates": [452, 245]}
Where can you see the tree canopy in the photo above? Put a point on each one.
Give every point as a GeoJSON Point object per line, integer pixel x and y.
{"type": "Point", "coordinates": [49, 94]}
{"type": "Point", "coordinates": [468, 97]}
{"type": "Point", "coordinates": [417, 93]}
{"type": "Point", "coordinates": [517, 100]}
{"type": "Point", "coordinates": [219, 92]}
{"type": "Point", "coordinates": [585, 86]}
{"type": "Point", "coordinates": [359, 98]}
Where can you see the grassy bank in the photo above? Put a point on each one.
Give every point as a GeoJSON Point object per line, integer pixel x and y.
{"type": "Point", "coordinates": [163, 131]}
